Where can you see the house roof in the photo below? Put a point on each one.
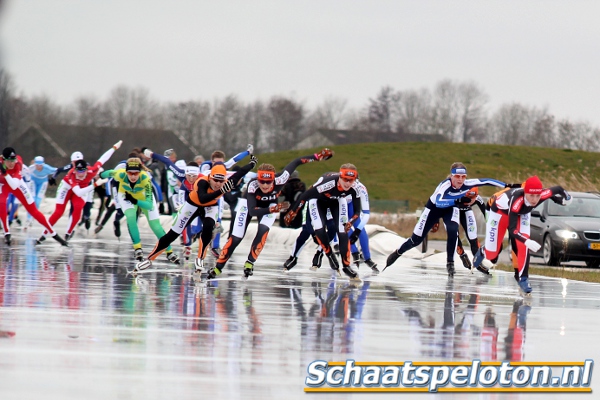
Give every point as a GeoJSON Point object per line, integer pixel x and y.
{"type": "Point", "coordinates": [57, 142]}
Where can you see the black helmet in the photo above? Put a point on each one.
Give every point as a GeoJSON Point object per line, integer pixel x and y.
{"type": "Point", "coordinates": [9, 153]}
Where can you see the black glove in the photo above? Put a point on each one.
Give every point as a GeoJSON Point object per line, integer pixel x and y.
{"type": "Point", "coordinates": [462, 201]}
{"type": "Point", "coordinates": [2, 169]}
{"type": "Point", "coordinates": [513, 185]}
{"type": "Point", "coordinates": [51, 181]}
{"type": "Point", "coordinates": [354, 237]}
{"type": "Point", "coordinates": [253, 160]}
{"type": "Point", "coordinates": [130, 198]}
{"type": "Point", "coordinates": [227, 186]}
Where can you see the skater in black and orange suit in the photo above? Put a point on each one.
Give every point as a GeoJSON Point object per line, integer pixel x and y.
{"type": "Point", "coordinates": [261, 202]}
{"type": "Point", "coordinates": [200, 202]}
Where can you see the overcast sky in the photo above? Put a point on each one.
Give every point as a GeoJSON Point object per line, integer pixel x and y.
{"type": "Point", "coordinates": [539, 53]}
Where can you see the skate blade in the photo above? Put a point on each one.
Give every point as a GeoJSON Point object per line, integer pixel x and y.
{"type": "Point", "coordinates": [142, 265]}
{"type": "Point", "coordinates": [338, 273]}
{"type": "Point", "coordinates": [314, 268]}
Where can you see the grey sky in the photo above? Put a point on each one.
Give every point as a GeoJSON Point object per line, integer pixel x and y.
{"type": "Point", "coordinates": [539, 53]}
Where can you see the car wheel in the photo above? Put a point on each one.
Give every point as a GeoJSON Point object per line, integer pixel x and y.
{"type": "Point", "coordinates": [593, 263]}
{"type": "Point", "coordinates": [549, 253]}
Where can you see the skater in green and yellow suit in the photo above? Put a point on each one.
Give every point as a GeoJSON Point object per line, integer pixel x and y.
{"type": "Point", "coordinates": [135, 192]}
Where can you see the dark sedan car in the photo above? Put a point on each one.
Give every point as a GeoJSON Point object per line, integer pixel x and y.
{"type": "Point", "coordinates": [568, 233]}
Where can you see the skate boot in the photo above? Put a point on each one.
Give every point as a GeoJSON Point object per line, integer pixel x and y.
{"type": "Point", "coordinates": [290, 263]}
{"type": "Point", "coordinates": [7, 239]}
{"type": "Point", "coordinates": [371, 264]}
{"type": "Point", "coordinates": [483, 270]}
{"type": "Point", "coordinates": [138, 254]}
{"type": "Point", "coordinates": [199, 265]}
{"type": "Point", "coordinates": [117, 226]}
{"type": "Point", "coordinates": [173, 258]}
{"type": "Point", "coordinates": [317, 261]}
{"type": "Point", "coordinates": [353, 275]}
{"type": "Point", "coordinates": [450, 269]}
{"type": "Point", "coordinates": [187, 252]}
{"type": "Point", "coordinates": [68, 236]}
{"type": "Point", "coordinates": [215, 251]}
{"type": "Point", "coordinates": [336, 248]}
{"type": "Point", "coordinates": [60, 240]}
{"type": "Point", "coordinates": [466, 261]}
{"type": "Point", "coordinates": [40, 240]}
{"type": "Point", "coordinates": [479, 256]}
{"type": "Point", "coordinates": [213, 273]}
{"type": "Point", "coordinates": [333, 263]}
{"type": "Point", "coordinates": [524, 286]}
{"type": "Point", "coordinates": [142, 265]}
{"type": "Point", "coordinates": [98, 228]}
{"type": "Point", "coordinates": [248, 269]}
{"type": "Point", "coordinates": [356, 259]}
{"type": "Point", "coordinates": [392, 259]}
{"type": "Point", "coordinates": [88, 224]}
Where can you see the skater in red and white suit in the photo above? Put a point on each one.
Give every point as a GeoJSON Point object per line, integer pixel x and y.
{"type": "Point", "coordinates": [511, 209]}
{"type": "Point", "coordinates": [74, 188]}
{"type": "Point", "coordinates": [11, 182]}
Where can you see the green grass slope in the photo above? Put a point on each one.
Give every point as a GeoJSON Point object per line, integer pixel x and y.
{"type": "Point", "coordinates": [411, 171]}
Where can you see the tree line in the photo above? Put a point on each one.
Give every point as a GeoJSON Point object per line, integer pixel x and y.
{"type": "Point", "coordinates": [458, 110]}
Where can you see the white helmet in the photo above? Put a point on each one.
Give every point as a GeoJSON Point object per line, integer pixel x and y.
{"type": "Point", "coordinates": [76, 156]}
{"type": "Point", "coordinates": [38, 160]}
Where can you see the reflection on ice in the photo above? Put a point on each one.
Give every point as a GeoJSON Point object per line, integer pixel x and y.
{"type": "Point", "coordinates": [74, 319]}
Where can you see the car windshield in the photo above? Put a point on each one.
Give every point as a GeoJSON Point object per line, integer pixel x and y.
{"type": "Point", "coordinates": [579, 207]}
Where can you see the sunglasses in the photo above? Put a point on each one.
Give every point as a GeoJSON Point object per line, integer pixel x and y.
{"type": "Point", "coordinates": [133, 173]}
{"type": "Point", "coordinates": [347, 180]}
{"type": "Point", "coordinates": [459, 176]}
{"type": "Point", "coordinates": [10, 159]}
{"type": "Point", "coordinates": [217, 180]}
{"type": "Point", "coordinates": [264, 182]}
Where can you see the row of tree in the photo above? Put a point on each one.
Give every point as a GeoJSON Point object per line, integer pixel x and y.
{"type": "Point", "coordinates": [457, 110]}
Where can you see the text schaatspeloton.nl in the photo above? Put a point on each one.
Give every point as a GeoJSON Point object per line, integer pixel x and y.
{"type": "Point", "coordinates": [474, 376]}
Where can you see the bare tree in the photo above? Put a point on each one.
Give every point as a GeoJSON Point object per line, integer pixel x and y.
{"type": "Point", "coordinates": [414, 112]}
{"type": "Point", "coordinates": [283, 123]}
{"type": "Point", "coordinates": [5, 107]}
{"type": "Point", "coordinates": [255, 121]}
{"type": "Point", "coordinates": [129, 108]}
{"type": "Point", "coordinates": [381, 108]}
{"type": "Point", "coordinates": [511, 124]}
{"type": "Point", "coordinates": [89, 112]}
{"type": "Point", "coordinates": [471, 106]}
{"type": "Point", "coordinates": [228, 124]}
{"type": "Point", "coordinates": [192, 120]}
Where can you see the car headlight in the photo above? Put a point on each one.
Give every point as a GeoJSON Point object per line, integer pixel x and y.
{"type": "Point", "coordinates": [565, 234]}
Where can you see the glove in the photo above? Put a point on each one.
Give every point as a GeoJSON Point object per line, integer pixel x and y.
{"type": "Point", "coordinates": [513, 185]}
{"type": "Point", "coordinates": [567, 198]}
{"type": "Point", "coordinates": [2, 169]}
{"type": "Point", "coordinates": [348, 225]}
{"type": "Point", "coordinates": [462, 201]}
{"type": "Point", "coordinates": [253, 160]}
{"type": "Point", "coordinates": [435, 227]}
{"type": "Point", "coordinates": [51, 181]}
{"type": "Point", "coordinates": [289, 217]}
{"type": "Point", "coordinates": [117, 145]}
{"type": "Point", "coordinates": [281, 207]}
{"type": "Point", "coordinates": [532, 245]}
{"type": "Point", "coordinates": [354, 237]}
{"type": "Point", "coordinates": [226, 188]}
{"type": "Point", "coordinates": [148, 153]}
{"type": "Point", "coordinates": [324, 154]}
{"type": "Point", "coordinates": [130, 198]}
{"type": "Point", "coordinates": [100, 182]}
{"type": "Point", "coordinates": [250, 149]}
